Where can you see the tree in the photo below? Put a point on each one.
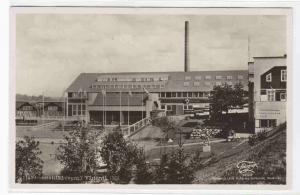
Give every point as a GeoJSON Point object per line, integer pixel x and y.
{"type": "Point", "coordinates": [224, 97]}
{"type": "Point", "coordinates": [80, 154]}
{"type": "Point", "coordinates": [175, 169]}
{"type": "Point", "coordinates": [179, 170]}
{"type": "Point", "coordinates": [143, 171]}
{"type": "Point", "coordinates": [164, 123]}
{"type": "Point", "coordinates": [28, 162]}
{"type": "Point", "coordinates": [160, 176]}
{"type": "Point", "coordinates": [120, 156]}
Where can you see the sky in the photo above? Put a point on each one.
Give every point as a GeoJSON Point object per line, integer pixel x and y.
{"type": "Point", "coordinates": [53, 49]}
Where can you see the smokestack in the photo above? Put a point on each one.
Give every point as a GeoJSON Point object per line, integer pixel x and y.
{"type": "Point", "coordinates": [186, 47]}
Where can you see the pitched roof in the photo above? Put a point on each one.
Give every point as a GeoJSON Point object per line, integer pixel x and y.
{"type": "Point", "coordinates": [175, 80]}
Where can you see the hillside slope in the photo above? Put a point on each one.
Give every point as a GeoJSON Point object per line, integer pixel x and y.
{"type": "Point", "coordinates": [268, 155]}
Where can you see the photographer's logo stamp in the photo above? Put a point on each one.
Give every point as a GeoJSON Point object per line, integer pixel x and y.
{"type": "Point", "coordinates": [246, 168]}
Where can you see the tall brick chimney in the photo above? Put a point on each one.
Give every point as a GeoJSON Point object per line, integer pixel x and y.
{"type": "Point", "coordinates": [186, 47]}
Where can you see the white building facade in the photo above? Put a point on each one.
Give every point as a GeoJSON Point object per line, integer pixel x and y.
{"type": "Point", "coordinates": [270, 94]}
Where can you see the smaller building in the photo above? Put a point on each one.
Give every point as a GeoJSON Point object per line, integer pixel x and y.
{"type": "Point", "coordinates": [26, 110]}
{"type": "Point", "coordinates": [33, 109]}
{"type": "Point", "coordinates": [53, 109]}
{"type": "Point", "coordinates": [269, 92]}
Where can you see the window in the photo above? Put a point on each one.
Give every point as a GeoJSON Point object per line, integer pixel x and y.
{"type": "Point", "coordinates": [186, 84]}
{"type": "Point", "coordinates": [196, 83]}
{"type": "Point", "coordinates": [169, 107]}
{"type": "Point", "coordinates": [198, 77]}
{"type": "Point", "coordinates": [179, 94]}
{"type": "Point", "coordinates": [207, 77]}
{"type": "Point", "coordinates": [184, 94]}
{"type": "Point", "coordinates": [190, 94]}
{"type": "Point", "coordinates": [168, 94]}
{"type": "Point", "coordinates": [219, 77]}
{"type": "Point", "coordinates": [163, 107]}
{"type": "Point", "coordinates": [162, 94]}
{"type": "Point", "coordinates": [266, 123]}
{"type": "Point", "coordinates": [269, 77]}
{"type": "Point", "coordinates": [207, 83]}
{"type": "Point", "coordinates": [79, 109]}
{"type": "Point", "coordinates": [283, 75]}
{"type": "Point", "coordinates": [74, 110]}
{"type": "Point", "coordinates": [187, 78]}
{"type": "Point", "coordinates": [83, 109]}
{"type": "Point", "coordinates": [229, 77]}
{"type": "Point", "coordinates": [195, 94]}
{"type": "Point", "coordinates": [282, 96]}
{"type": "Point", "coordinates": [271, 95]}
{"type": "Point", "coordinates": [229, 83]}
{"type": "Point", "coordinates": [173, 94]}
{"type": "Point", "coordinates": [218, 83]}
{"type": "Point", "coordinates": [205, 94]}
{"type": "Point", "coordinates": [52, 108]}
{"type": "Point", "coordinates": [240, 77]}
{"type": "Point", "coordinates": [27, 108]}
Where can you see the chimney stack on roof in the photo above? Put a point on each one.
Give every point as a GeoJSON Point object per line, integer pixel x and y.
{"type": "Point", "coordinates": [186, 47]}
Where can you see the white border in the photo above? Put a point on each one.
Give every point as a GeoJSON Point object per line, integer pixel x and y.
{"type": "Point", "coordinates": [284, 4]}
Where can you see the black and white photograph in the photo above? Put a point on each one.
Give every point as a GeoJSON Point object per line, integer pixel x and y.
{"type": "Point", "coordinates": [145, 96]}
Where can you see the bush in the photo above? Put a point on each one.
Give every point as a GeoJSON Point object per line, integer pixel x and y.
{"type": "Point", "coordinates": [164, 123]}
{"type": "Point", "coordinates": [196, 163]}
{"type": "Point", "coordinates": [261, 135]}
{"type": "Point", "coordinates": [252, 140]}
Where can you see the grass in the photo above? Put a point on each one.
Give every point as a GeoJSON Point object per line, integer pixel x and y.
{"type": "Point", "coordinates": [191, 124]}
{"type": "Point", "coordinates": [25, 131]}
{"type": "Point", "coordinates": [269, 155]}
{"type": "Point", "coordinates": [51, 165]}
{"type": "Point", "coordinates": [216, 148]}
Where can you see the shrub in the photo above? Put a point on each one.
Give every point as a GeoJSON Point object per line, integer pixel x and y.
{"type": "Point", "coordinates": [261, 135]}
{"type": "Point", "coordinates": [252, 140]}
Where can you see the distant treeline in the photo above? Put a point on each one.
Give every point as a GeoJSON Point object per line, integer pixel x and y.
{"type": "Point", "coordinates": [23, 97]}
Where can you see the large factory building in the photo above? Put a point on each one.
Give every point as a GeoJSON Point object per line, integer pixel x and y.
{"type": "Point", "coordinates": [128, 97]}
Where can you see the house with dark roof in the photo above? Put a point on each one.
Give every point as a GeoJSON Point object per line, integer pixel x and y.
{"type": "Point", "coordinates": [269, 92]}
{"type": "Point", "coordinates": [25, 109]}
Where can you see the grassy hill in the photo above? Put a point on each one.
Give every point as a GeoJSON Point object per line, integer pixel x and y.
{"type": "Point", "coordinates": [269, 155]}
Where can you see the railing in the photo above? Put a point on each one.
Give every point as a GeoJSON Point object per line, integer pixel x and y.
{"type": "Point", "coordinates": [129, 130]}
{"type": "Point", "coordinates": [46, 125]}
{"type": "Point", "coordinates": [60, 118]}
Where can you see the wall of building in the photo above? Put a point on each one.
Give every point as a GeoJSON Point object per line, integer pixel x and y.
{"type": "Point", "coordinates": [265, 111]}
{"type": "Point", "coordinates": [262, 65]}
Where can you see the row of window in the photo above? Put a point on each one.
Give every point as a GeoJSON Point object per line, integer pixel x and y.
{"type": "Point", "coordinates": [208, 77]}
{"type": "Point", "coordinates": [77, 109]}
{"type": "Point", "coordinates": [169, 107]}
{"type": "Point", "coordinates": [27, 108]}
{"type": "Point", "coordinates": [265, 123]}
{"type": "Point", "coordinates": [127, 86]}
{"type": "Point", "coordinates": [283, 76]}
{"type": "Point", "coordinates": [272, 95]}
{"type": "Point", "coordinates": [135, 79]}
{"type": "Point", "coordinates": [77, 94]}
{"type": "Point", "coordinates": [207, 83]}
{"type": "Point", "coordinates": [183, 94]}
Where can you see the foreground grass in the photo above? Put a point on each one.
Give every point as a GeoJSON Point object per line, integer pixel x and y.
{"type": "Point", "coordinates": [269, 155]}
